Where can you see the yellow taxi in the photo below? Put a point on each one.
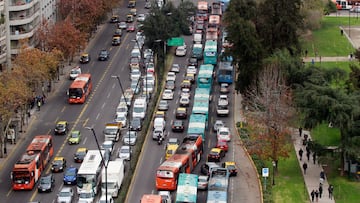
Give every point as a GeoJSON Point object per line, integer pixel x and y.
{"type": "Point", "coordinates": [129, 18]}
{"type": "Point", "coordinates": [116, 41]}
{"type": "Point", "coordinates": [84, 58]}
{"type": "Point", "coordinates": [80, 154]}
{"type": "Point", "coordinates": [215, 155]}
{"type": "Point", "coordinates": [170, 150]}
{"type": "Point", "coordinates": [58, 164]}
{"type": "Point", "coordinates": [160, 114]}
{"type": "Point", "coordinates": [231, 166]}
{"type": "Point", "coordinates": [133, 11]}
{"type": "Point", "coordinates": [114, 19]}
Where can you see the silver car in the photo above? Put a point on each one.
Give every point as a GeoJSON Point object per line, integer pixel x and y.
{"type": "Point", "coordinates": [203, 182]}
{"type": "Point", "coordinates": [218, 124]}
{"type": "Point", "coordinates": [124, 152]}
{"type": "Point", "coordinates": [130, 138]}
{"type": "Point", "coordinates": [163, 105]}
{"type": "Point", "coordinates": [66, 195]}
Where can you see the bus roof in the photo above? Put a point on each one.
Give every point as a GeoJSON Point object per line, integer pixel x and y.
{"type": "Point", "coordinates": [91, 163]}
{"type": "Point", "coordinates": [214, 19]}
{"type": "Point", "coordinates": [81, 80]}
{"type": "Point", "coordinates": [217, 197]}
{"type": "Point", "coordinates": [150, 198]}
{"type": "Point", "coordinates": [174, 162]}
{"type": "Point", "coordinates": [202, 6]}
{"type": "Point", "coordinates": [187, 188]}
{"type": "Point", "coordinates": [225, 65]}
{"type": "Point", "coordinates": [210, 45]}
{"type": "Point", "coordinates": [39, 142]}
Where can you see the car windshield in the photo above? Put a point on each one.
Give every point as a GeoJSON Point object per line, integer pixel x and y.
{"type": "Point", "coordinates": [223, 133]}
{"type": "Point", "coordinates": [64, 194]}
{"type": "Point", "coordinates": [124, 150]}
{"type": "Point", "coordinates": [45, 180]}
{"type": "Point", "coordinates": [74, 135]}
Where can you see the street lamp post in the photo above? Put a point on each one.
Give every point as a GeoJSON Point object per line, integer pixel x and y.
{"type": "Point", "coordinates": [274, 166]}
{"type": "Point", "coordinates": [102, 159]}
{"type": "Point", "coordinates": [128, 114]}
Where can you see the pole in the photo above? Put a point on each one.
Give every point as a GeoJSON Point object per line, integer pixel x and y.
{"type": "Point", "coordinates": [273, 182]}
{"type": "Point", "coordinates": [102, 159]}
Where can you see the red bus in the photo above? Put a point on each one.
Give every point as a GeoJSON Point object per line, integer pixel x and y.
{"type": "Point", "coordinates": [32, 163]}
{"type": "Point", "coordinates": [150, 198]}
{"type": "Point", "coordinates": [184, 160]}
{"type": "Point", "coordinates": [80, 89]}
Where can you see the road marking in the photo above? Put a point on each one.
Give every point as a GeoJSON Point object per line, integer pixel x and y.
{"type": "Point", "coordinates": [103, 105]}
{"type": "Point", "coordinates": [63, 109]}
{"type": "Point", "coordinates": [97, 116]}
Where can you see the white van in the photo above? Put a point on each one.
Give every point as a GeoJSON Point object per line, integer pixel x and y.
{"type": "Point", "coordinates": [122, 108]}
{"type": "Point", "coordinates": [140, 107]}
{"type": "Point", "coordinates": [159, 123]}
{"type": "Point", "coordinates": [197, 38]}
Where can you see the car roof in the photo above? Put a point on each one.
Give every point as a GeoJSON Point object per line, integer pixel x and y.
{"type": "Point", "coordinates": [229, 163]}
{"type": "Point", "coordinates": [75, 131]}
{"type": "Point", "coordinates": [58, 158]}
{"type": "Point", "coordinates": [216, 150]}
{"type": "Point", "coordinates": [66, 189]}
{"type": "Point", "coordinates": [81, 149]}
{"type": "Point", "coordinates": [62, 122]}
{"type": "Point", "coordinates": [84, 54]}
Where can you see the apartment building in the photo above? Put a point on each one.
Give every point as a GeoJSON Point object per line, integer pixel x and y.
{"type": "Point", "coordinates": [19, 20]}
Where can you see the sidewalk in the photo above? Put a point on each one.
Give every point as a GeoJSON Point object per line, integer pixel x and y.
{"type": "Point", "coordinates": [326, 59]}
{"type": "Point", "coordinates": [312, 176]}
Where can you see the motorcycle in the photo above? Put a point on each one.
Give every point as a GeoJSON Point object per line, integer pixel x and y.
{"type": "Point", "coordinates": [160, 140]}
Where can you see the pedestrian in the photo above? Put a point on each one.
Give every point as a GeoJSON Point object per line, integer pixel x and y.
{"type": "Point", "coordinates": [312, 195]}
{"type": "Point", "coordinates": [308, 155]}
{"type": "Point", "coordinates": [306, 52]}
{"type": "Point", "coordinates": [314, 157]}
{"type": "Point", "coordinates": [320, 191]}
{"type": "Point", "coordinates": [300, 153]}
{"type": "Point", "coordinates": [308, 148]}
{"type": "Point", "coordinates": [322, 174]}
{"type": "Point", "coordinates": [331, 189]}
{"type": "Point", "coordinates": [38, 104]}
{"type": "Point", "coordinates": [304, 167]}
{"type": "Point", "coordinates": [300, 131]}
{"type": "Point", "coordinates": [317, 195]}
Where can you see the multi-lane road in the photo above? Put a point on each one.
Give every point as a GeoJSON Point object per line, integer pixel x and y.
{"type": "Point", "coordinates": [100, 109]}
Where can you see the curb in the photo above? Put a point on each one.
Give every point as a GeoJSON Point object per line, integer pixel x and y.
{"type": "Point", "coordinates": [248, 155]}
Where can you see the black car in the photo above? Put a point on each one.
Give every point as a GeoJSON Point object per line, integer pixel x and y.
{"type": "Point", "coordinates": [181, 113]}
{"type": "Point", "coordinates": [206, 167]}
{"type": "Point", "coordinates": [80, 154]}
{"type": "Point", "coordinates": [61, 128]}
{"type": "Point", "coordinates": [178, 126]}
{"type": "Point", "coordinates": [46, 183]}
{"type": "Point", "coordinates": [193, 62]}
{"type": "Point", "coordinates": [104, 55]}
{"type": "Point", "coordinates": [135, 124]}
{"type": "Point", "coordinates": [58, 165]}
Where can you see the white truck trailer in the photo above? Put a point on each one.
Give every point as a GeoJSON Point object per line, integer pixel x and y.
{"type": "Point", "coordinates": [115, 176]}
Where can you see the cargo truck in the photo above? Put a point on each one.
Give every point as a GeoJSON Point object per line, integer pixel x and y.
{"type": "Point", "coordinates": [115, 176]}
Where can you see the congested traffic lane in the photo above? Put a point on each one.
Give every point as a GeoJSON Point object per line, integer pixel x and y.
{"type": "Point", "coordinates": [98, 110]}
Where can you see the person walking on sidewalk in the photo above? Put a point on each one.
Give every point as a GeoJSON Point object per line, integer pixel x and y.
{"type": "Point", "coordinates": [308, 155]}
{"type": "Point", "coordinates": [314, 157]}
{"type": "Point", "coordinates": [331, 189]}
{"type": "Point", "coordinates": [304, 167]}
{"type": "Point", "coordinates": [320, 190]}
{"type": "Point", "coordinates": [300, 131]}
{"type": "Point", "coordinates": [312, 195]}
{"type": "Point", "coordinates": [38, 104]}
{"type": "Point", "coordinates": [317, 195]}
{"type": "Point", "coordinates": [301, 153]}
{"type": "Point", "coordinates": [322, 177]}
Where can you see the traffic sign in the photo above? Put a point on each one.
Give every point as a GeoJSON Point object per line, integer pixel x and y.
{"type": "Point", "coordinates": [265, 172]}
{"type": "Point", "coordinates": [175, 42]}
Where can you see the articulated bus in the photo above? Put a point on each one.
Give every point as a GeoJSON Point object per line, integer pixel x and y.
{"type": "Point", "coordinates": [198, 125]}
{"type": "Point", "coordinates": [218, 185]}
{"type": "Point", "coordinates": [201, 101]}
{"type": "Point", "coordinates": [187, 188]}
{"type": "Point", "coordinates": [342, 4]}
{"type": "Point", "coordinates": [205, 76]}
{"type": "Point", "coordinates": [80, 89]}
{"type": "Point", "coordinates": [90, 171]}
{"type": "Point", "coordinates": [210, 52]}
{"type": "Point", "coordinates": [28, 169]}
{"type": "Point", "coordinates": [186, 157]}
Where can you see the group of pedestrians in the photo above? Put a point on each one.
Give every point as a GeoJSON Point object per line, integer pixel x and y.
{"type": "Point", "coordinates": [318, 192]}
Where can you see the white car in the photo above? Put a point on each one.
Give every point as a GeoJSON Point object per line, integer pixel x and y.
{"type": "Point", "coordinates": [135, 74]}
{"type": "Point", "coordinates": [223, 100]}
{"type": "Point", "coordinates": [141, 17]}
{"type": "Point", "coordinates": [203, 182]}
{"type": "Point", "coordinates": [121, 118]}
{"type": "Point", "coordinates": [148, 53]}
{"type": "Point", "coordinates": [191, 70]}
{"type": "Point", "coordinates": [103, 199]}
{"type": "Point", "coordinates": [175, 68]}
{"type": "Point", "coordinates": [218, 124]}
{"type": "Point", "coordinates": [168, 94]}
{"type": "Point", "coordinates": [108, 145]}
{"type": "Point", "coordinates": [124, 152]}
{"type": "Point", "coordinates": [148, 88]}
{"type": "Point", "coordinates": [150, 67]}
{"type": "Point", "coordinates": [184, 101]}
{"type": "Point", "coordinates": [185, 92]}
{"type": "Point", "coordinates": [130, 137]}
{"type": "Point", "coordinates": [74, 72]}
{"type": "Point", "coordinates": [223, 133]}
{"type": "Point", "coordinates": [122, 25]}
{"type": "Point", "coordinates": [66, 195]}
{"type": "Point", "coordinates": [180, 51]}
{"type": "Point", "coordinates": [149, 79]}
{"type": "Point", "coordinates": [171, 76]}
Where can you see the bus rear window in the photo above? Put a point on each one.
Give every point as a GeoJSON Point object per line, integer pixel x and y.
{"type": "Point", "coordinates": [75, 92]}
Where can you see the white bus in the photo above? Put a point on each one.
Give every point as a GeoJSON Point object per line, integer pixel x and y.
{"type": "Point", "coordinates": [90, 171]}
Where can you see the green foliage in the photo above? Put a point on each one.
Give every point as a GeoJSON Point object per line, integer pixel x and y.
{"type": "Point", "coordinates": [326, 136]}
{"type": "Point", "coordinates": [330, 7]}
{"type": "Point", "coordinates": [278, 22]}
{"type": "Point", "coordinates": [344, 190]}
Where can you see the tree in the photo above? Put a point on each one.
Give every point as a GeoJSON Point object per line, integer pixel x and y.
{"type": "Point", "coordinates": [67, 39]}
{"type": "Point", "coordinates": [270, 103]}
{"type": "Point", "coordinates": [278, 23]}
{"type": "Point", "coordinates": [246, 49]}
